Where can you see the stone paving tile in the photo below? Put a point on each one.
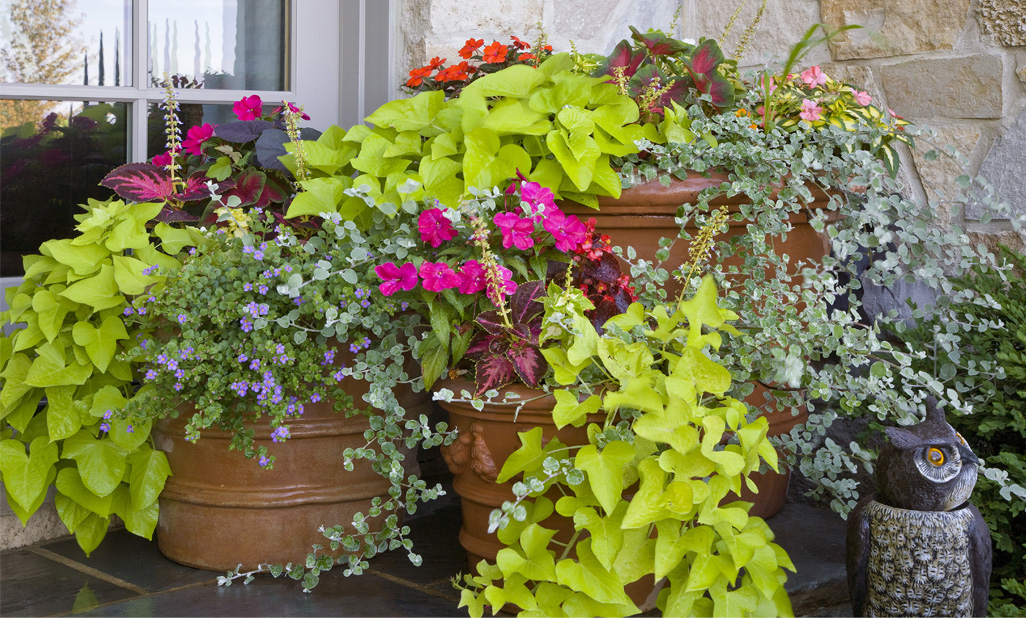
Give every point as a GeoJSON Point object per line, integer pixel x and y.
{"type": "Point", "coordinates": [434, 538]}
{"type": "Point", "coordinates": [135, 560]}
{"type": "Point", "coordinates": [33, 585]}
{"type": "Point", "coordinates": [335, 595]}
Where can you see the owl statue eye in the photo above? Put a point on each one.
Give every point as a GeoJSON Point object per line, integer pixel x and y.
{"type": "Point", "coordinates": [935, 456]}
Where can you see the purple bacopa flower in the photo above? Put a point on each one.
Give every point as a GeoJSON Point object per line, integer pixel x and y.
{"type": "Point", "coordinates": [248, 287]}
{"type": "Point", "coordinates": [105, 427]}
{"type": "Point", "coordinates": [150, 270]}
{"type": "Point", "coordinates": [142, 310]}
{"type": "Point", "coordinates": [243, 358]}
{"type": "Point", "coordinates": [162, 359]}
{"type": "Point", "coordinates": [280, 434]}
{"type": "Point", "coordinates": [151, 375]}
{"type": "Point", "coordinates": [258, 255]}
{"type": "Point", "coordinates": [286, 268]}
{"type": "Point", "coordinates": [246, 325]}
{"type": "Point", "coordinates": [254, 364]}
{"type": "Point", "coordinates": [280, 348]}
{"type": "Point", "coordinates": [178, 386]}
{"type": "Point", "coordinates": [128, 311]}
{"type": "Point", "coordinates": [264, 461]}
{"type": "Point", "coordinates": [329, 357]}
{"type": "Point", "coordinates": [180, 374]}
{"type": "Point", "coordinates": [315, 398]}
{"type": "Point", "coordinates": [172, 364]}
{"type": "Point", "coordinates": [182, 318]}
{"type": "Point", "coordinates": [263, 289]}
{"type": "Point", "coordinates": [129, 429]}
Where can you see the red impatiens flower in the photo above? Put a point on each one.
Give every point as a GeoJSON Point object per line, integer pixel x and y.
{"type": "Point", "coordinates": [249, 108]}
{"type": "Point", "coordinates": [495, 53]}
{"type": "Point", "coordinates": [454, 73]}
{"type": "Point", "coordinates": [470, 47]}
{"type": "Point", "coordinates": [395, 277]}
{"type": "Point", "coordinates": [434, 227]}
{"type": "Point", "coordinates": [196, 136]}
{"type": "Point", "coordinates": [417, 76]}
{"type": "Point", "coordinates": [519, 44]}
{"type": "Point", "coordinates": [523, 57]}
{"type": "Point", "coordinates": [436, 62]}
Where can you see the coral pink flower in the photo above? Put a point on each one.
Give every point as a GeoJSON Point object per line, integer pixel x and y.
{"type": "Point", "coordinates": [395, 277]}
{"type": "Point", "coordinates": [195, 138]}
{"type": "Point", "coordinates": [438, 277]}
{"type": "Point", "coordinates": [515, 231]}
{"type": "Point", "coordinates": [506, 286]}
{"type": "Point", "coordinates": [249, 108]}
{"type": "Point", "coordinates": [810, 111]}
{"type": "Point", "coordinates": [568, 232]}
{"type": "Point", "coordinates": [813, 76]}
{"type": "Point", "coordinates": [861, 97]}
{"type": "Point", "coordinates": [472, 277]}
{"type": "Point", "coordinates": [434, 227]}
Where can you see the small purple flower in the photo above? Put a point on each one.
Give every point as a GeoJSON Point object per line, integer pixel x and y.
{"type": "Point", "coordinates": [142, 310]}
{"type": "Point", "coordinates": [246, 325]}
{"type": "Point", "coordinates": [247, 249]}
{"type": "Point", "coordinates": [172, 365]}
{"type": "Point", "coordinates": [264, 461]}
{"type": "Point", "coordinates": [329, 357]}
{"type": "Point", "coordinates": [299, 300]}
{"type": "Point", "coordinates": [286, 268]}
{"type": "Point", "coordinates": [178, 386]}
{"type": "Point", "coordinates": [150, 270]}
{"type": "Point", "coordinates": [248, 287]}
{"type": "Point", "coordinates": [267, 274]}
{"type": "Point", "coordinates": [258, 255]}
{"type": "Point", "coordinates": [315, 398]}
{"type": "Point", "coordinates": [358, 293]}
{"type": "Point", "coordinates": [280, 434]}
{"type": "Point", "coordinates": [254, 364]}
{"type": "Point", "coordinates": [243, 358]}
{"type": "Point", "coordinates": [162, 359]}
{"type": "Point", "coordinates": [192, 250]}
{"type": "Point", "coordinates": [365, 303]}
{"type": "Point", "coordinates": [128, 311]}
{"type": "Point", "coordinates": [105, 427]}
{"type": "Point", "coordinates": [280, 348]}
{"type": "Point", "coordinates": [151, 299]}
{"type": "Point", "coordinates": [130, 429]}
{"type": "Point", "coordinates": [338, 375]}
{"type": "Point", "coordinates": [263, 289]}
{"type": "Point", "coordinates": [180, 374]}
{"type": "Point", "coordinates": [108, 414]}
{"type": "Point", "coordinates": [151, 375]}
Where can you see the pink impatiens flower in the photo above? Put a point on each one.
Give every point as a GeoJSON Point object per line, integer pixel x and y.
{"type": "Point", "coordinates": [195, 138]}
{"type": "Point", "coordinates": [810, 111]}
{"type": "Point", "coordinates": [163, 160]}
{"type": "Point", "coordinates": [438, 277]}
{"type": "Point", "coordinates": [434, 227]}
{"type": "Point", "coordinates": [515, 230]}
{"type": "Point", "coordinates": [395, 277]}
{"type": "Point", "coordinates": [505, 284]}
{"type": "Point", "coordinates": [536, 195]}
{"type": "Point", "coordinates": [861, 97]}
{"type": "Point", "coordinates": [568, 232]}
{"type": "Point", "coordinates": [249, 108]}
{"type": "Point", "coordinates": [813, 76]}
{"type": "Point", "coordinates": [472, 277]}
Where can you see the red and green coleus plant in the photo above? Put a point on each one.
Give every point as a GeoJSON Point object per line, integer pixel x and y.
{"type": "Point", "coordinates": [657, 70]}
{"type": "Point", "coordinates": [476, 273]}
{"type": "Point", "coordinates": [478, 60]}
{"type": "Point", "coordinates": [231, 167]}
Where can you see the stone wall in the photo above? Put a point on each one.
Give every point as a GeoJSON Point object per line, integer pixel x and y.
{"type": "Point", "coordinates": [958, 66]}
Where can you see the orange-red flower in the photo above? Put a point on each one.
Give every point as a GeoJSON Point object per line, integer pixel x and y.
{"type": "Point", "coordinates": [519, 44]}
{"type": "Point", "coordinates": [495, 53]}
{"type": "Point", "coordinates": [417, 76]}
{"type": "Point", "coordinates": [471, 46]}
{"type": "Point", "coordinates": [435, 63]}
{"type": "Point", "coordinates": [523, 57]}
{"type": "Point", "coordinates": [454, 73]}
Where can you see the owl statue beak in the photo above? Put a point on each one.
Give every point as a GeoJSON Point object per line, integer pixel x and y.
{"type": "Point", "coordinates": [967, 455]}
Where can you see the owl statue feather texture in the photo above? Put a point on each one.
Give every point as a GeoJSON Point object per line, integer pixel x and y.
{"type": "Point", "coordinates": [918, 547]}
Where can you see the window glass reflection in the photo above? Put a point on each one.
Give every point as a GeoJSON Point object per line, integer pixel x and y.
{"type": "Point", "coordinates": [64, 42]}
{"type": "Point", "coordinates": [226, 44]}
{"type": "Point", "coordinates": [49, 165]}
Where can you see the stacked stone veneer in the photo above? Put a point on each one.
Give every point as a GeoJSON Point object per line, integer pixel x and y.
{"type": "Point", "coordinates": [958, 66]}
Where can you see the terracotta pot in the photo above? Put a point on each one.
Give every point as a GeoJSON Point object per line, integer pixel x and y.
{"type": "Point", "coordinates": [220, 509]}
{"type": "Point", "coordinates": [646, 212]}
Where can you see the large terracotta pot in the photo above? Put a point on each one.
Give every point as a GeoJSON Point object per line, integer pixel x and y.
{"type": "Point", "coordinates": [220, 509]}
{"type": "Point", "coordinates": [647, 212]}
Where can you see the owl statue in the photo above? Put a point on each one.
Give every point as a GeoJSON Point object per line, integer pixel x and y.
{"type": "Point", "coordinates": [918, 547]}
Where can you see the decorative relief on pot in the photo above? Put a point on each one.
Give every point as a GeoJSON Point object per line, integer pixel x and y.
{"type": "Point", "coordinates": [470, 449]}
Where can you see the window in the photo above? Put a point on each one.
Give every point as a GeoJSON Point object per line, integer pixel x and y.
{"type": "Point", "coordinates": [80, 80]}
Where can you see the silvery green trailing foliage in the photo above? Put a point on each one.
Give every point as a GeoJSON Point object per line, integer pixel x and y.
{"type": "Point", "coordinates": [806, 335]}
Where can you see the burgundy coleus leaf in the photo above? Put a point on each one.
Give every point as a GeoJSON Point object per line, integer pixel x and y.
{"type": "Point", "coordinates": [175, 215]}
{"type": "Point", "coordinates": [140, 182]}
{"type": "Point", "coordinates": [494, 371]}
{"type": "Point", "coordinates": [528, 362]}
{"type": "Point", "coordinates": [242, 132]}
{"type": "Point", "coordinates": [659, 44]}
{"type": "Point", "coordinates": [524, 304]}
{"type": "Point", "coordinates": [195, 188]}
{"type": "Point", "coordinates": [254, 189]}
{"type": "Point", "coordinates": [624, 55]}
{"type": "Point", "coordinates": [706, 57]}
{"type": "Point", "coordinates": [678, 89]}
{"type": "Point", "coordinates": [605, 308]}
{"type": "Point", "coordinates": [491, 321]}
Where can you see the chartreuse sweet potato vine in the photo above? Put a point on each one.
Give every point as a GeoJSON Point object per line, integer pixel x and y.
{"type": "Point", "coordinates": [71, 303]}
{"type": "Point", "coordinates": [650, 492]}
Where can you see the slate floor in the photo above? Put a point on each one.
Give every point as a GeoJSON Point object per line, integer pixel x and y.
{"type": "Point", "coordinates": [128, 576]}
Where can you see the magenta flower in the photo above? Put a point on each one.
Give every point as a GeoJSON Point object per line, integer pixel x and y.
{"type": "Point", "coordinates": [568, 232]}
{"type": "Point", "coordinates": [810, 111]}
{"type": "Point", "coordinates": [438, 277]}
{"type": "Point", "coordinates": [505, 285]}
{"type": "Point", "coordinates": [249, 108]}
{"type": "Point", "coordinates": [195, 138]}
{"type": "Point", "coordinates": [163, 160]}
{"type": "Point", "coordinates": [861, 97]}
{"type": "Point", "coordinates": [813, 76]}
{"type": "Point", "coordinates": [395, 277]}
{"type": "Point", "coordinates": [536, 195]}
{"type": "Point", "coordinates": [472, 277]}
{"type": "Point", "coordinates": [515, 231]}
{"type": "Point", "coordinates": [292, 108]}
{"type": "Point", "coordinates": [434, 227]}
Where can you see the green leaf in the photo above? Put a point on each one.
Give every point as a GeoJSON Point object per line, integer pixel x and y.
{"type": "Point", "coordinates": [128, 273]}
{"type": "Point", "coordinates": [100, 344]}
{"type": "Point", "coordinates": [433, 360]}
{"type": "Point", "coordinates": [101, 463]}
{"type": "Point", "coordinates": [91, 531]}
{"type": "Point", "coordinates": [99, 291]}
{"type": "Point", "coordinates": [140, 522]}
{"type": "Point", "coordinates": [319, 195]}
{"type": "Point", "coordinates": [587, 575]}
{"type": "Point", "coordinates": [62, 417]}
{"type": "Point", "coordinates": [129, 434]}
{"type": "Point", "coordinates": [605, 470]}
{"type": "Point", "coordinates": [730, 463]}
{"type": "Point", "coordinates": [149, 472]}
{"type": "Point", "coordinates": [27, 475]}
{"type": "Point", "coordinates": [15, 386]}
{"type": "Point", "coordinates": [70, 512]}
{"type": "Point", "coordinates": [526, 458]}
{"type": "Point", "coordinates": [50, 312]}
{"type": "Point", "coordinates": [605, 532]}
{"type": "Point", "coordinates": [49, 368]}
{"type": "Point", "coordinates": [129, 234]}
{"type": "Point", "coordinates": [568, 411]}
{"type": "Point", "coordinates": [84, 260]}
{"type": "Point", "coordinates": [69, 483]}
